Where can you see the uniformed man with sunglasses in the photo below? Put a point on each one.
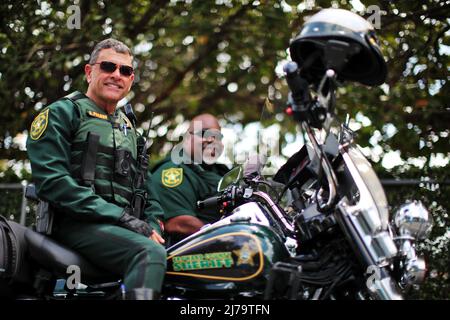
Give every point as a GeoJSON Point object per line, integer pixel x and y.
{"type": "Point", "coordinates": [189, 174]}
{"type": "Point", "coordinates": [84, 158]}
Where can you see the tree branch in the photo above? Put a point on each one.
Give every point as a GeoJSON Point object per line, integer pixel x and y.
{"type": "Point", "coordinates": [143, 23]}
{"type": "Point", "coordinates": [208, 49]}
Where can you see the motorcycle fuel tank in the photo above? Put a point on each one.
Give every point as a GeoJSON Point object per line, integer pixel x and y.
{"type": "Point", "coordinates": [233, 257]}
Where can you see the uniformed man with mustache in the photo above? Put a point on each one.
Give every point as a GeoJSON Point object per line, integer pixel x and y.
{"type": "Point", "coordinates": [84, 159]}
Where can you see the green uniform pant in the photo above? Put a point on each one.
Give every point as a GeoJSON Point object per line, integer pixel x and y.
{"type": "Point", "coordinates": [141, 261]}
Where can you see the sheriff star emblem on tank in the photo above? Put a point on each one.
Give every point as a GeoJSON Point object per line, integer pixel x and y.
{"type": "Point", "coordinates": [172, 177]}
{"type": "Point", "coordinates": [245, 255]}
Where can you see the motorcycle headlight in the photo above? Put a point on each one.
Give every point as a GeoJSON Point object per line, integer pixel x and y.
{"type": "Point", "coordinates": [413, 219]}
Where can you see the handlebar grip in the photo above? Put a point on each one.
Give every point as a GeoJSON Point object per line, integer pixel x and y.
{"type": "Point", "coordinates": [208, 203]}
{"type": "Point", "coordinates": [298, 85]}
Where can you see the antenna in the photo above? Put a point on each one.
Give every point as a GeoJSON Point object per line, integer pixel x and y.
{"type": "Point", "coordinates": [148, 131]}
{"type": "Point", "coordinates": [130, 114]}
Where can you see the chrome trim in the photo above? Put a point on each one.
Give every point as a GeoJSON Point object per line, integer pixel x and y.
{"type": "Point", "coordinates": [291, 246]}
{"type": "Point", "coordinates": [379, 246]}
{"type": "Point", "coordinates": [328, 170]}
{"type": "Point", "coordinates": [407, 249]}
{"type": "Point", "coordinates": [413, 222]}
{"type": "Point", "coordinates": [385, 289]}
{"type": "Point", "coordinates": [413, 219]}
{"type": "Point", "coordinates": [414, 272]}
{"type": "Point", "coordinates": [385, 247]}
{"type": "Point", "coordinates": [317, 294]}
{"type": "Point", "coordinates": [414, 267]}
{"type": "Point", "coordinates": [268, 200]}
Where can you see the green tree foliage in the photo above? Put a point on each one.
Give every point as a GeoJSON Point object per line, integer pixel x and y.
{"type": "Point", "coordinates": [221, 56]}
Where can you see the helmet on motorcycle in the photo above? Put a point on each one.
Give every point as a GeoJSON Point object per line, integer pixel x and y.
{"type": "Point", "coordinates": [356, 52]}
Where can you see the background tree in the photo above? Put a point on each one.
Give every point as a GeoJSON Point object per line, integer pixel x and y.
{"type": "Point", "coordinates": [222, 56]}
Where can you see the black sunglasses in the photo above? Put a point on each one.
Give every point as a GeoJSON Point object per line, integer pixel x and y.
{"type": "Point", "coordinates": [207, 133]}
{"type": "Point", "coordinates": [110, 67]}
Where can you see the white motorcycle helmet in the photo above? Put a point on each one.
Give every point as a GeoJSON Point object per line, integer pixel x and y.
{"type": "Point", "coordinates": [363, 64]}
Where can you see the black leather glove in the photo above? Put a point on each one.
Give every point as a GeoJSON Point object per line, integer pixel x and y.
{"type": "Point", "coordinates": [132, 223]}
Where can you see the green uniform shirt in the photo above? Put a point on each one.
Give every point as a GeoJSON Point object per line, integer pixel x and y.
{"type": "Point", "coordinates": [50, 149]}
{"type": "Point", "coordinates": [180, 186]}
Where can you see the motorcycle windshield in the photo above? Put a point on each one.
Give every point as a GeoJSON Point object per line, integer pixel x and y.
{"type": "Point", "coordinates": [372, 184]}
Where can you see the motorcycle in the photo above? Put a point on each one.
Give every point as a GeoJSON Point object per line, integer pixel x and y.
{"type": "Point", "coordinates": [333, 240]}
{"type": "Point", "coordinates": [325, 235]}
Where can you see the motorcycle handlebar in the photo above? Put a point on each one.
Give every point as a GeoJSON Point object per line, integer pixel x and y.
{"type": "Point", "coordinates": [298, 85]}
{"type": "Point", "coordinates": [208, 203]}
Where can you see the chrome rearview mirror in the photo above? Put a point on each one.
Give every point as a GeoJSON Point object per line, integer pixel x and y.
{"type": "Point", "coordinates": [232, 176]}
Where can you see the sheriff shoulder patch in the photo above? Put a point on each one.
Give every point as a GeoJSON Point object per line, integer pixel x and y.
{"type": "Point", "coordinates": [97, 115]}
{"type": "Point", "coordinates": [39, 125]}
{"type": "Point", "coordinates": [172, 177]}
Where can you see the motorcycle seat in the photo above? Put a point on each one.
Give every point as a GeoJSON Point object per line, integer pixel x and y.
{"type": "Point", "coordinates": [57, 258]}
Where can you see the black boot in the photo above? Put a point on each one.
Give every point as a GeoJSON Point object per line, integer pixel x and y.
{"type": "Point", "coordinates": [142, 294]}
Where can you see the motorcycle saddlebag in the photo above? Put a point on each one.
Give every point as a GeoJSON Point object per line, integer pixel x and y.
{"type": "Point", "coordinates": [9, 250]}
